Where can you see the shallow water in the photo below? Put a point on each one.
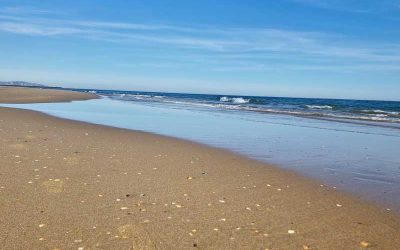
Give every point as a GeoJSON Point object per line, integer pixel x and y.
{"type": "Point", "coordinates": [361, 159]}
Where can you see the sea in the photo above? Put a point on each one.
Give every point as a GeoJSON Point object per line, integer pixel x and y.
{"type": "Point", "coordinates": [333, 109]}
{"type": "Point", "coordinates": [348, 145]}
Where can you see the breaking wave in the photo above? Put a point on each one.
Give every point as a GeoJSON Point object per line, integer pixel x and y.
{"type": "Point", "coordinates": [235, 100]}
{"type": "Point", "coordinates": [319, 107]}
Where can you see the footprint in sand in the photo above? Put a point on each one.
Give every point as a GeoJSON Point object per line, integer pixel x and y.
{"type": "Point", "coordinates": [139, 237]}
{"type": "Point", "coordinates": [54, 186]}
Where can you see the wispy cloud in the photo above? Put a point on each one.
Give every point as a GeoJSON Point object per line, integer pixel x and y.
{"type": "Point", "coordinates": [357, 6]}
{"type": "Point", "coordinates": [36, 30]}
{"type": "Point", "coordinates": [26, 10]}
{"type": "Point", "coordinates": [258, 49]}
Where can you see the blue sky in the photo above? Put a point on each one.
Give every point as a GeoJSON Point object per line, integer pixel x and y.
{"type": "Point", "coordinates": [301, 48]}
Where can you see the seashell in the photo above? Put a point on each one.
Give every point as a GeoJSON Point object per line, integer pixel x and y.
{"type": "Point", "coordinates": [365, 244]}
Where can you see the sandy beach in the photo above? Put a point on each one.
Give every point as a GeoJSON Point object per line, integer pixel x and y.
{"type": "Point", "coordinates": [72, 185]}
{"type": "Point", "coordinates": [36, 95]}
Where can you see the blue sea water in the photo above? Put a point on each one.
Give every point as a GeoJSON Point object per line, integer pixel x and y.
{"type": "Point", "coordinates": [337, 109]}
{"type": "Point", "coordinates": [349, 144]}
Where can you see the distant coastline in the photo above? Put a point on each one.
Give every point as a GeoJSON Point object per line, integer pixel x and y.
{"type": "Point", "coordinates": [22, 84]}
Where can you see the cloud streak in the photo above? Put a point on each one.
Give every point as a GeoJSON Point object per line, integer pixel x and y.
{"type": "Point", "coordinates": [356, 6]}
{"type": "Point", "coordinates": [222, 46]}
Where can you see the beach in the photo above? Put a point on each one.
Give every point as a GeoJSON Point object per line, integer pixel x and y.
{"type": "Point", "coordinates": [36, 95]}
{"type": "Point", "coordinates": [68, 184]}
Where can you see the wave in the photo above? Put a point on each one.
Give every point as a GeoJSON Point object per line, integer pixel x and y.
{"type": "Point", "coordinates": [129, 97]}
{"type": "Point", "coordinates": [378, 118]}
{"type": "Point", "coordinates": [380, 112]}
{"type": "Point", "coordinates": [252, 105]}
{"type": "Point", "coordinates": [319, 107]}
{"type": "Point", "coordinates": [235, 100]}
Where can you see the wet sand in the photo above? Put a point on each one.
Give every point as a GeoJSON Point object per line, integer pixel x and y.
{"type": "Point", "coordinates": [67, 184]}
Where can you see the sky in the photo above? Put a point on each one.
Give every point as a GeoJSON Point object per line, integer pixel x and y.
{"type": "Point", "coordinates": [295, 48]}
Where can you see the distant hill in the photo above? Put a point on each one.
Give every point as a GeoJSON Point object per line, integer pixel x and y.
{"type": "Point", "coordinates": [21, 84]}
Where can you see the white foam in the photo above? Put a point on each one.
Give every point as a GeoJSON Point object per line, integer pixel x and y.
{"type": "Point", "coordinates": [224, 99]}
{"type": "Point", "coordinates": [236, 100]}
{"type": "Point", "coordinates": [319, 107]}
{"type": "Point", "coordinates": [240, 100]}
{"type": "Point", "coordinates": [378, 111]}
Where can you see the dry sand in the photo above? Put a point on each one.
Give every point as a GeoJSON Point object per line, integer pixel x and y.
{"type": "Point", "coordinates": [73, 185]}
{"type": "Point", "coordinates": [29, 95]}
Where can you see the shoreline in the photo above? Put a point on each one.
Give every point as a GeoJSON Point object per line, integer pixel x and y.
{"type": "Point", "coordinates": [380, 205]}
{"type": "Point", "coordinates": [276, 167]}
{"type": "Point", "coordinates": [135, 181]}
